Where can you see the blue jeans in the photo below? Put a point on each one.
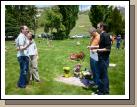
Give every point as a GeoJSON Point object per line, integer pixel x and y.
{"type": "Point", "coordinates": [103, 86]}
{"type": "Point", "coordinates": [24, 67]}
{"type": "Point", "coordinates": [107, 62]}
{"type": "Point", "coordinates": [94, 69]}
{"type": "Point", "coordinates": [117, 45]}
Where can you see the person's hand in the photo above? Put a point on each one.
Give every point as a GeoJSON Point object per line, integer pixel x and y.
{"type": "Point", "coordinates": [91, 47]}
{"type": "Point", "coordinates": [17, 48]}
{"type": "Point", "coordinates": [95, 50]}
{"type": "Point", "coordinates": [30, 42]}
{"type": "Point", "coordinates": [37, 57]}
{"type": "Point", "coordinates": [88, 47]}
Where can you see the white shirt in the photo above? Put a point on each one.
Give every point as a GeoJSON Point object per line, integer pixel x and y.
{"type": "Point", "coordinates": [32, 49]}
{"type": "Point", "coordinates": [22, 40]}
{"type": "Point", "coordinates": [94, 55]}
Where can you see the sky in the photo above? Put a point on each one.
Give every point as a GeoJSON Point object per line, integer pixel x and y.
{"type": "Point", "coordinates": [84, 7]}
{"type": "Point", "coordinates": [81, 7]}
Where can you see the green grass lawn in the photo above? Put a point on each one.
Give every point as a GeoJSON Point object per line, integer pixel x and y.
{"type": "Point", "coordinates": [51, 63]}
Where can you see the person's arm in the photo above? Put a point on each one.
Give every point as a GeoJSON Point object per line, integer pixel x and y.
{"type": "Point", "coordinates": [107, 47]}
{"type": "Point", "coordinates": [108, 43]}
{"type": "Point", "coordinates": [94, 44]}
{"type": "Point", "coordinates": [21, 43]}
{"type": "Point", "coordinates": [93, 47]}
{"type": "Point", "coordinates": [101, 50]}
{"type": "Point", "coordinates": [21, 47]}
{"type": "Point", "coordinates": [17, 48]}
{"type": "Point", "coordinates": [90, 41]}
{"type": "Point", "coordinates": [37, 55]}
{"type": "Point", "coordinates": [36, 50]}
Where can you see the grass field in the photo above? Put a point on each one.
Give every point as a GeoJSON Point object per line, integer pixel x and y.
{"type": "Point", "coordinates": [51, 62]}
{"type": "Point", "coordinates": [53, 59]}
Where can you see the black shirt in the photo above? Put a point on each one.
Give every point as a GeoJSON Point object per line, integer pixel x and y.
{"type": "Point", "coordinates": [105, 42]}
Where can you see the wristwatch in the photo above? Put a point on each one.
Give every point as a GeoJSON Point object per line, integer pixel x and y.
{"type": "Point", "coordinates": [97, 51]}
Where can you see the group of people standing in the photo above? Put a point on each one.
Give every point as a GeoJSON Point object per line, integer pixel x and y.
{"type": "Point", "coordinates": [27, 56]}
{"type": "Point", "coordinates": [100, 47]}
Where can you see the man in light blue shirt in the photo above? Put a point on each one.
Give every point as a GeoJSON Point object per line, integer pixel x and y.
{"type": "Point", "coordinates": [23, 43]}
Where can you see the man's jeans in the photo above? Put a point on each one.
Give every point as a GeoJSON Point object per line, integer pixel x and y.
{"type": "Point", "coordinates": [103, 76]}
{"type": "Point", "coordinates": [24, 67]}
{"type": "Point", "coordinates": [94, 68]}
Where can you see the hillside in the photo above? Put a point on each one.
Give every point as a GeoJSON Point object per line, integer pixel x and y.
{"type": "Point", "coordinates": [82, 25]}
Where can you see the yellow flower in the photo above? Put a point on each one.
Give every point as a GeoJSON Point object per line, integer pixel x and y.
{"type": "Point", "coordinates": [66, 68]}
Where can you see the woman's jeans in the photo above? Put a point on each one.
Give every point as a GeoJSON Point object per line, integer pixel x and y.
{"type": "Point", "coordinates": [94, 69]}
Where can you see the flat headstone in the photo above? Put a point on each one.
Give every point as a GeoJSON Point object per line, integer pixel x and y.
{"type": "Point", "coordinates": [112, 65]}
{"type": "Point", "coordinates": [81, 26]}
{"type": "Point", "coordinates": [71, 80]}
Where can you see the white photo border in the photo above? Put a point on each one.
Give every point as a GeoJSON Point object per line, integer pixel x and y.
{"type": "Point", "coordinates": [120, 3]}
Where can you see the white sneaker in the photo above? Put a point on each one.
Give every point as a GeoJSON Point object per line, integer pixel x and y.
{"type": "Point", "coordinates": [94, 93]}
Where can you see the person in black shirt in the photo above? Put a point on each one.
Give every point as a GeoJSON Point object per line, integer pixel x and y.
{"type": "Point", "coordinates": [103, 59]}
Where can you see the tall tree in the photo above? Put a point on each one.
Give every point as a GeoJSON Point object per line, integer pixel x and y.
{"type": "Point", "coordinates": [11, 25]}
{"type": "Point", "coordinates": [53, 23]}
{"type": "Point", "coordinates": [97, 14]}
{"type": "Point", "coordinates": [53, 19]}
{"type": "Point", "coordinates": [23, 14]}
{"type": "Point", "coordinates": [70, 15]}
{"type": "Point", "coordinates": [108, 14]}
{"type": "Point", "coordinates": [116, 22]}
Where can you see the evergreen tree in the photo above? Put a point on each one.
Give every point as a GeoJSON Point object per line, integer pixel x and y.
{"type": "Point", "coordinates": [53, 20]}
{"type": "Point", "coordinates": [53, 23]}
{"type": "Point", "coordinates": [109, 15]}
{"type": "Point", "coordinates": [70, 15]}
{"type": "Point", "coordinates": [116, 22]}
{"type": "Point", "coordinates": [11, 25]}
{"type": "Point", "coordinates": [17, 15]}
{"type": "Point", "coordinates": [97, 14]}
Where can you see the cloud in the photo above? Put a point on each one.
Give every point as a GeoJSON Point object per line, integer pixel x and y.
{"type": "Point", "coordinates": [84, 7]}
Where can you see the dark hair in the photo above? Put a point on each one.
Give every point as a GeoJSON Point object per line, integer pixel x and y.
{"type": "Point", "coordinates": [21, 28]}
{"type": "Point", "coordinates": [105, 27]}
